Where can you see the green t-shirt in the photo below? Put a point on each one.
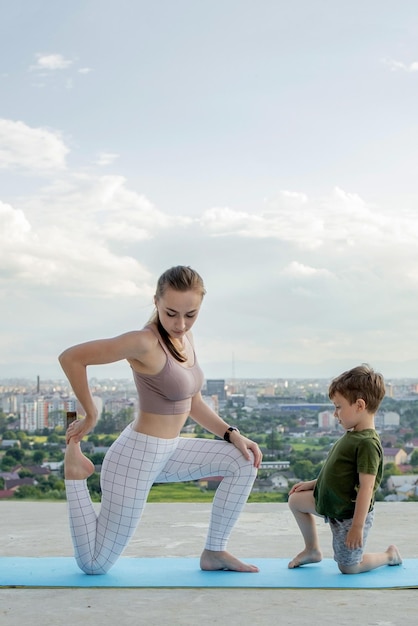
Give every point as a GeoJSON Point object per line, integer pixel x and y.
{"type": "Point", "coordinates": [338, 481]}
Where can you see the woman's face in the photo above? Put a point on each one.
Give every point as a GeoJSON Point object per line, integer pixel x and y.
{"type": "Point", "coordinates": [178, 311]}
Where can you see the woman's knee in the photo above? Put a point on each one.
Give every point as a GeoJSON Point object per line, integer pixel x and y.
{"type": "Point", "coordinates": [93, 568]}
{"type": "Point", "coordinates": [246, 465]}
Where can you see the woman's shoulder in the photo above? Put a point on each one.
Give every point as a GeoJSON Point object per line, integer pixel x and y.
{"type": "Point", "coordinates": [139, 343]}
{"type": "Point", "coordinates": [147, 337]}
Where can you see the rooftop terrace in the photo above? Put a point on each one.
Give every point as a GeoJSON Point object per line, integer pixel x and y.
{"type": "Point", "coordinates": [264, 530]}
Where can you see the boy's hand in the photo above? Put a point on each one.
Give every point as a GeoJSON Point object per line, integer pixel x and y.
{"type": "Point", "coordinates": [308, 485]}
{"type": "Point", "coordinates": [354, 538]}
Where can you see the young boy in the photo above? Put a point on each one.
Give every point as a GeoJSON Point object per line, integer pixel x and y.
{"type": "Point", "coordinates": [345, 489]}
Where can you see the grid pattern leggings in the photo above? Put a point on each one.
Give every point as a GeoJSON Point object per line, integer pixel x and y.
{"type": "Point", "coordinates": [132, 464]}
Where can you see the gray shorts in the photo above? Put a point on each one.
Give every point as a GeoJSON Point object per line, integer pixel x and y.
{"type": "Point", "coordinates": [339, 529]}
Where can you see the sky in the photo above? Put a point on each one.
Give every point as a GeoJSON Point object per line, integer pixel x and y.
{"type": "Point", "coordinates": [270, 145]}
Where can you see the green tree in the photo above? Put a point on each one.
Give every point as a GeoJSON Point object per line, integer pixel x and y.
{"type": "Point", "coordinates": [25, 473]}
{"type": "Point", "coordinates": [9, 434]}
{"type": "Point", "coordinates": [54, 438]}
{"type": "Point", "coordinates": [27, 491]}
{"type": "Point", "coordinates": [107, 441]}
{"type": "Point", "coordinates": [3, 422]}
{"type": "Point", "coordinates": [38, 457]}
{"type": "Point", "coordinates": [16, 453]}
{"type": "Point", "coordinates": [414, 458]}
{"type": "Point", "coordinates": [93, 483]}
{"type": "Point", "coordinates": [123, 418]}
{"type": "Point", "coordinates": [305, 469]}
{"type": "Point", "coordinates": [106, 424]}
{"type": "Point", "coordinates": [7, 463]}
{"type": "Point", "coordinates": [390, 469]}
{"type": "Point", "coordinates": [96, 458]}
{"type": "Point", "coordinates": [21, 435]}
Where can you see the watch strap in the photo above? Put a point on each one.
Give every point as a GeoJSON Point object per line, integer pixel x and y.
{"type": "Point", "coordinates": [228, 433]}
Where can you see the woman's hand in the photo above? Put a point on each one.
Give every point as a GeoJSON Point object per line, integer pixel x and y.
{"type": "Point", "coordinates": [208, 419]}
{"type": "Point", "coordinates": [244, 445]}
{"type": "Point", "coordinates": [79, 429]}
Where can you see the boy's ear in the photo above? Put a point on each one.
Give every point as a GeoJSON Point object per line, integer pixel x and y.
{"type": "Point", "coordinates": [361, 405]}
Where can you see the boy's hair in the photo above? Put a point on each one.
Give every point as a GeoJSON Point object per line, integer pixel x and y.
{"type": "Point", "coordinates": [361, 382]}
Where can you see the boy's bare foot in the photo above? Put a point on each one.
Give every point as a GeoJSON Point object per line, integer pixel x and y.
{"type": "Point", "coordinates": [305, 557]}
{"type": "Point", "coordinates": [394, 556]}
{"type": "Point", "coordinates": [221, 560]}
{"type": "Point", "coordinates": [76, 465]}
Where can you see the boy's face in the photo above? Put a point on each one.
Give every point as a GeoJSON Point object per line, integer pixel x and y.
{"type": "Point", "coordinates": [348, 415]}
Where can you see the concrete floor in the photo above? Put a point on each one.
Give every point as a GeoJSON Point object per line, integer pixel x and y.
{"type": "Point", "coordinates": [264, 530]}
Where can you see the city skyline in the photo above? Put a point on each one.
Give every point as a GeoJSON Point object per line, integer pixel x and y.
{"type": "Point", "coordinates": [40, 385]}
{"type": "Point", "coordinates": [271, 146]}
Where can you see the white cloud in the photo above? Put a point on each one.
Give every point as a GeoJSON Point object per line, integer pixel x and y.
{"type": "Point", "coordinates": [224, 221]}
{"type": "Point", "coordinates": [36, 149]}
{"type": "Point", "coordinates": [297, 269]}
{"type": "Point", "coordinates": [62, 237]}
{"type": "Point", "coordinates": [51, 62]}
{"type": "Point", "coordinates": [52, 256]}
{"type": "Point", "coordinates": [307, 222]}
{"type": "Point", "coordinates": [95, 205]}
{"type": "Point", "coordinates": [294, 197]}
{"type": "Point", "coordinates": [94, 240]}
{"type": "Point", "coordinates": [87, 226]}
{"type": "Point", "coordinates": [14, 227]}
{"type": "Point", "coordinates": [106, 158]}
{"type": "Point", "coordinates": [397, 66]}
{"type": "Point", "coordinates": [298, 272]}
{"type": "Point", "coordinates": [313, 274]}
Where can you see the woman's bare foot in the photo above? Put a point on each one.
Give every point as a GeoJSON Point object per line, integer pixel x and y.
{"type": "Point", "coordinates": [305, 557]}
{"type": "Point", "coordinates": [393, 555]}
{"type": "Point", "coordinates": [212, 560]}
{"type": "Point", "coordinates": [76, 465]}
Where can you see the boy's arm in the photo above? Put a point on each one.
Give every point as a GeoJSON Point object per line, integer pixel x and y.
{"type": "Point", "coordinates": [354, 537]}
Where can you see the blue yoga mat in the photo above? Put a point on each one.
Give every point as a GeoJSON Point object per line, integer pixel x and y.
{"type": "Point", "coordinates": [185, 572]}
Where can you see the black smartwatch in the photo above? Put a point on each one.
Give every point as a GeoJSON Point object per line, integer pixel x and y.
{"type": "Point", "coordinates": [228, 432]}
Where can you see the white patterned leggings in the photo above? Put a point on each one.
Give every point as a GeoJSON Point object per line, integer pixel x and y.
{"type": "Point", "coordinates": [132, 464]}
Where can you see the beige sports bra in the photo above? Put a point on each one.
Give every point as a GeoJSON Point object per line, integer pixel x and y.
{"type": "Point", "coordinates": [170, 391]}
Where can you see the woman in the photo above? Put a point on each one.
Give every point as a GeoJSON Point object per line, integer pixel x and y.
{"type": "Point", "coordinates": [168, 379]}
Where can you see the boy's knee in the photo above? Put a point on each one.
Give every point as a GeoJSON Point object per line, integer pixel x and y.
{"type": "Point", "coordinates": [348, 569]}
{"type": "Point", "coordinates": [291, 501]}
